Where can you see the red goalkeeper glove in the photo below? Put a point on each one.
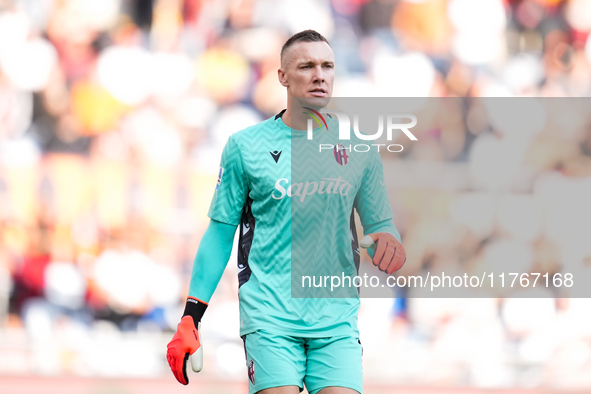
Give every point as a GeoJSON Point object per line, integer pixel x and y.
{"type": "Point", "coordinates": [385, 250]}
{"type": "Point", "coordinates": [186, 342]}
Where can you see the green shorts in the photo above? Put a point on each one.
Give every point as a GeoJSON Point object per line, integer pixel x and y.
{"type": "Point", "coordinates": [276, 360]}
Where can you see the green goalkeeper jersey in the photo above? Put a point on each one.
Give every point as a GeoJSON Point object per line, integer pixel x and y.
{"type": "Point", "coordinates": [293, 199]}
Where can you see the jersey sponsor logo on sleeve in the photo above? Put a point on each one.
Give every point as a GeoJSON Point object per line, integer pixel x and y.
{"type": "Point", "coordinates": [221, 173]}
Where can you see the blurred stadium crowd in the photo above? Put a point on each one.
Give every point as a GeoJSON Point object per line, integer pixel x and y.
{"type": "Point", "coordinates": [113, 114]}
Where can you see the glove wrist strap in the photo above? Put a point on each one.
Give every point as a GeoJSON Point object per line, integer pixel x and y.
{"type": "Point", "coordinates": [195, 308]}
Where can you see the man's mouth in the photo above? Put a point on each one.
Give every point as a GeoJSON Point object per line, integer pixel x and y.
{"type": "Point", "coordinates": [318, 92]}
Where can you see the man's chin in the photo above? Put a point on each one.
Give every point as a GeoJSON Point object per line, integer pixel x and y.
{"type": "Point", "coordinates": [314, 102]}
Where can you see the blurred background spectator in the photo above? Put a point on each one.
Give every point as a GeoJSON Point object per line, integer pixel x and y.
{"type": "Point", "coordinates": [113, 115]}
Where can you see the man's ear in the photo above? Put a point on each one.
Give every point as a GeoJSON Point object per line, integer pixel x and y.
{"type": "Point", "coordinates": [282, 79]}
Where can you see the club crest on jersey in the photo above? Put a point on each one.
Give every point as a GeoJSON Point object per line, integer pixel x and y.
{"type": "Point", "coordinates": [251, 371]}
{"type": "Point", "coordinates": [340, 154]}
{"type": "Point", "coordinates": [221, 173]}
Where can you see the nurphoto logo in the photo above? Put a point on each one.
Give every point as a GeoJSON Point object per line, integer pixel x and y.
{"type": "Point", "coordinates": [392, 122]}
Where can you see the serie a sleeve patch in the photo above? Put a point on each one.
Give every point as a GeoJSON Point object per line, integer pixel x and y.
{"type": "Point", "coordinates": [220, 174]}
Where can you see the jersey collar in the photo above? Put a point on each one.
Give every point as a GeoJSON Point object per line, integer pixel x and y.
{"type": "Point", "coordinates": [280, 114]}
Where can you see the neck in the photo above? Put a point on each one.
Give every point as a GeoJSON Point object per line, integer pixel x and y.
{"type": "Point", "coordinates": [294, 119]}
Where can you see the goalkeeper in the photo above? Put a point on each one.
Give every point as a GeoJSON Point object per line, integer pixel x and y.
{"type": "Point", "coordinates": [290, 342]}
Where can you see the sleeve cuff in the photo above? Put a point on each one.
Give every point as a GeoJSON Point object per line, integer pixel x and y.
{"type": "Point", "coordinates": [195, 308]}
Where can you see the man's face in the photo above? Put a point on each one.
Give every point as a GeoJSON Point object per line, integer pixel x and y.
{"type": "Point", "coordinates": [307, 71]}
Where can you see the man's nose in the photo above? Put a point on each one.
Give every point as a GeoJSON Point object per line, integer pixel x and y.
{"type": "Point", "coordinates": [318, 74]}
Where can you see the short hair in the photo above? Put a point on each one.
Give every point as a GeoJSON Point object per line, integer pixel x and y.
{"type": "Point", "coordinates": [303, 36]}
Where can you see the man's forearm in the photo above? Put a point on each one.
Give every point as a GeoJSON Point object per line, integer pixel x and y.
{"type": "Point", "coordinates": [212, 257]}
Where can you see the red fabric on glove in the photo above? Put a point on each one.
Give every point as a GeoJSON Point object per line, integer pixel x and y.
{"type": "Point", "coordinates": [184, 343]}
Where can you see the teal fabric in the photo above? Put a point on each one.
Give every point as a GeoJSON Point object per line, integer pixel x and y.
{"type": "Point", "coordinates": [272, 166]}
{"type": "Point", "coordinates": [212, 257]}
{"type": "Point", "coordinates": [385, 226]}
{"type": "Point", "coordinates": [275, 360]}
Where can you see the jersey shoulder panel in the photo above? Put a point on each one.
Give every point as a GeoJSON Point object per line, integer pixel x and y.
{"type": "Point", "coordinates": [251, 133]}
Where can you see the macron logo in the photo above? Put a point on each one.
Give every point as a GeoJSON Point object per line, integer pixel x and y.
{"type": "Point", "coordinates": [276, 155]}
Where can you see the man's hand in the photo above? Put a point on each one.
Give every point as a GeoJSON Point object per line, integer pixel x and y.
{"type": "Point", "coordinates": [388, 254]}
{"type": "Point", "coordinates": [185, 342]}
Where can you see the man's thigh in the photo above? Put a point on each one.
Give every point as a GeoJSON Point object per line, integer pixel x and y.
{"type": "Point", "coordinates": [334, 365]}
{"type": "Point", "coordinates": [337, 390]}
